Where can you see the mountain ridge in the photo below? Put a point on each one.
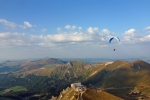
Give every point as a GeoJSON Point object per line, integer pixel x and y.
{"type": "Point", "coordinates": [52, 74]}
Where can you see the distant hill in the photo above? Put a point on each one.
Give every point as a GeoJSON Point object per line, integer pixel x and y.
{"type": "Point", "coordinates": [50, 76]}
{"type": "Point", "coordinates": [26, 66]}
{"type": "Point", "coordinates": [75, 71]}
{"type": "Point", "coordinates": [51, 61]}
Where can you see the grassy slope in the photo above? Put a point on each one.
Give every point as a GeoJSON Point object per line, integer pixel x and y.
{"type": "Point", "coordinates": [129, 75]}
{"type": "Point", "coordinates": [76, 70]}
{"type": "Point", "coordinates": [117, 74]}
{"type": "Point", "coordinates": [89, 94]}
{"type": "Point", "coordinates": [123, 74]}
{"type": "Point", "coordinates": [14, 89]}
{"type": "Point", "coordinates": [100, 95]}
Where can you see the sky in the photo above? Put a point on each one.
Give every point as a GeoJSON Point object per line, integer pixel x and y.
{"type": "Point", "coordinates": [74, 29]}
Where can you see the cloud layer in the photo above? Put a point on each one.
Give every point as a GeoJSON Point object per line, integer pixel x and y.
{"type": "Point", "coordinates": [91, 36]}
{"type": "Point", "coordinates": [70, 40]}
{"type": "Point", "coordinates": [12, 25]}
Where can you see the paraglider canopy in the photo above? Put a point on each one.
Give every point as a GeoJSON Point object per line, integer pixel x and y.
{"type": "Point", "coordinates": [113, 38]}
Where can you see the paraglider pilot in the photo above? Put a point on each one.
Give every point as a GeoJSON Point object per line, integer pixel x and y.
{"type": "Point", "coordinates": [112, 39]}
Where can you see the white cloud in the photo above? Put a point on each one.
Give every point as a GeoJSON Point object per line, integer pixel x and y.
{"type": "Point", "coordinates": [27, 24]}
{"type": "Point", "coordinates": [130, 32]}
{"type": "Point", "coordinates": [106, 31]}
{"type": "Point", "coordinates": [92, 30]}
{"type": "Point", "coordinates": [72, 38]}
{"type": "Point", "coordinates": [92, 42]}
{"type": "Point", "coordinates": [71, 27]}
{"type": "Point", "coordinates": [68, 26]}
{"type": "Point", "coordinates": [12, 25]}
{"type": "Point", "coordinates": [74, 27]}
{"type": "Point", "coordinates": [92, 36]}
{"type": "Point", "coordinates": [130, 36]}
{"type": "Point", "coordinates": [8, 24]}
{"type": "Point", "coordinates": [145, 38]}
{"type": "Point", "coordinates": [67, 37]}
{"type": "Point", "coordinates": [147, 28]}
{"type": "Point", "coordinates": [17, 39]}
{"type": "Point", "coordinates": [127, 38]}
{"type": "Point", "coordinates": [60, 39]}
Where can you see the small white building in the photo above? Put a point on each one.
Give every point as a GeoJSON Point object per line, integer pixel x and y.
{"type": "Point", "coordinates": [77, 87]}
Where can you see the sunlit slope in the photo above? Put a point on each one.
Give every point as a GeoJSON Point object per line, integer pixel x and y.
{"type": "Point", "coordinates": [105, 71]}
{"type": "Point", "coordinates": [120, 78]}
{"type": "Point", "coordinates": [121, 74]}
{"type": "Point", "coordinates": [51, 67]}
{"type": "Point", "coordinates": [76, 70]}
{"type": "Point", "coordinates": [90, 94]}
{"type": "Point", "coordinates": [128, 74]}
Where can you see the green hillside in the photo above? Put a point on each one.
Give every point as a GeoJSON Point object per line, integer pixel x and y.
{"type": "Point", "coordinates": [47, 77]}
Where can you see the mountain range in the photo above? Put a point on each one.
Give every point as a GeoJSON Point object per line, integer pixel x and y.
{"type": "Point", "coordinates": [41, 79]}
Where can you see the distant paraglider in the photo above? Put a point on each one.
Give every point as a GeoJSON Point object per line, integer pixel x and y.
{"type": "Point", "coordinates": [113, 38]}
{"type": "Point", "coordinates": [110, 40]}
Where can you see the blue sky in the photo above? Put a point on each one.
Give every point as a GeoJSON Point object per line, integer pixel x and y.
{"type": "Point", "coordinates": [74, 28]}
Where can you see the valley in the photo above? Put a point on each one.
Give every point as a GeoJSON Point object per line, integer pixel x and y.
{"type": "Point", "coordinates": [46, 78]}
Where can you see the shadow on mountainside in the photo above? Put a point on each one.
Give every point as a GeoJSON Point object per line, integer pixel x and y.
{"type": "Point", "coordinates": [118, 80]}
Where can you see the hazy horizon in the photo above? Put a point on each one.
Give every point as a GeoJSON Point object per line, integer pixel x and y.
{"type": "Point", "coordinates": [89, 60]}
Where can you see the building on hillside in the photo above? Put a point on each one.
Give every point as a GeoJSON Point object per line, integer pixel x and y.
{"type": "Point", "coordinates": [78, 87]}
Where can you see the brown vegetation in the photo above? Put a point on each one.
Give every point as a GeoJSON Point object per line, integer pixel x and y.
{"type": "Point", "coordinates": [91, 94]}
